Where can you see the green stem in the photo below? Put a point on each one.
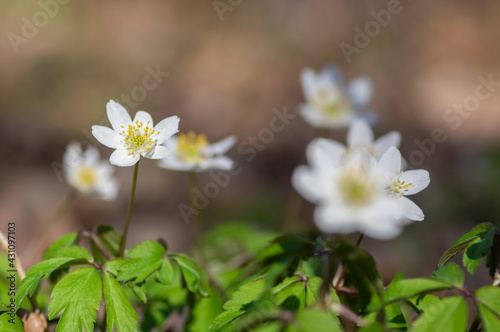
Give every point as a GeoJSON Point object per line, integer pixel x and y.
{"type": "Point", "coordinates": [360, 238]}
{"type": "Point", "coordinates": [129, 213]}
{"type": "Point", "coordinates": [193, 191]}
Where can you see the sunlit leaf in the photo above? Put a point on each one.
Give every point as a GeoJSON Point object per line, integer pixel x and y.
{"type": "Point", "coordinates": [119, 311]}
{"type": "Point", "coordinates": [447, 315]}
{"type": "Point", "coordinates": [145, 258]}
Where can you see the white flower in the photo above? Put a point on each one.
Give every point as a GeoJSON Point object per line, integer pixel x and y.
{"type": "Point", "coordinates": [359, 193]}
{"type": "Point", "coordinates": [133, 138]}
{"type": "Point", "coordinates": [191, 152]}
{"type": "Point", "coordinates": [88, 174]}
{"type": "Point", "coordinates": [329, 104]}
{"type": "Point", "coordinates": [360, 135]}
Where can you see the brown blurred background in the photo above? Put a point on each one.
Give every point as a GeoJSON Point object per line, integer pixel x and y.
{"type": "Point", "coordinates": [228, 68]}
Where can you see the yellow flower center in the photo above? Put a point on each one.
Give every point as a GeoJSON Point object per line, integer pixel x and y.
{"type": "Point", "coordinates": [190, 147]}
{"type": "Point", "coordinates": [398, 187]}
{"type": "Point", "coordinates": [139, 137]}
{"type": "Point", "coordinates": [86, 178]}
{"type": "Point", "coordinates": [357, 188]}
{"type": "Point", "coordinates": [333, 104]}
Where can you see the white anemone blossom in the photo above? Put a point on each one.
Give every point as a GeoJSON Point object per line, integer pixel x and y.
{"type": "Point", "coordinates": [360, 135]}
{"type": "Point", "coordinates": [134, 138]}
{"type": "Point", "coordinates": [85, 172]}
{"type": "Point", "coordinates": [191, 152]}
{"type": "Point", "coordinates": [329, 103]}
{"type": "Point", "coordinates": [359, 193]}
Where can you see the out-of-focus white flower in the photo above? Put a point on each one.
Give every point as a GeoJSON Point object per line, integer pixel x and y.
{"type": "Point", "coordinates": [191, 152]}
{"type": "Point", "coordinates": [360, 135]}
{"type": "Point", "coordinates": [134, 138]}
{"type": "Point", "coordinates": [358, 193]}
{"type": "Point", "coordinates": [85, 172]}
{"type": "Point", "coordinates": [329, 103]}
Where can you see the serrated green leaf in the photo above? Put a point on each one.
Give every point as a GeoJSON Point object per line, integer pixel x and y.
{"type": "Point", "coordinates": [490, 297]}
{"type": "Point", "coordinates": [146, 258]}
{"type": "Point", "coordinates": [114, 265]}
{"type": "Point", "coordinates": [296, 293]}
{"type": "Point", "coordinates": [240, 301]}
{"type": "Point", "coordinates": [74, 252]}
{"type": "Point", "coordinates": [79, 293]}
{"type": "Point", "coordinates": [393, 316]}
{"type": "Point", "coordinates": [195, 277]}
{"type": "Point", "coordinates": [477, 249]}
{"type": "Point", "coordinates": [139, 291]}
{"type": "Point", "coordinates": [447, 315]}
{"type": "Point", "coordinates": [119, 311]}
{"type": "Point", "coordinates": [111, 239]}
{"type": "Point", "coordinates": [490, 321]}
{"type": "Point", "coordinates": [315, 320]}
{"type": "Point", "coordinates": [450, 273]}
{"type": "Point", "coordinates": [10, 324]}
{"type": "Point", "coordinates": [41, 271]}
{"type": "Point", "coordinates": [422, 302]}
{"type": "Point", "coordinates": [463, 242]}
{"type": "Point", "coordinates": [166, 272]}
{"type": "Point", "coordinates": [64, 241]}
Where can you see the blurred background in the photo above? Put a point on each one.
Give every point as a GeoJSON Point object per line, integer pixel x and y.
{"type": "Point", "coordinates": [229, 64]}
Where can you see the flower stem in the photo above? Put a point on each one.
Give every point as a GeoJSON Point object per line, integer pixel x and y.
{"type": "Point", "coordinates": [360, 238]}
{"type": "Point", "coordinates": [129, 213]}
{"type": "Point", "coordinates": [193, 191]}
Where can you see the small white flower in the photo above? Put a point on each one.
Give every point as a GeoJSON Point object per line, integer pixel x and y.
{"type": "Point", "coordinates": [357, 192]}
{"type": "Point", "coordinates": [85, 172]}
{"type": "Point", "coordinates": [134, 138]}
{"type": "Point", "coordinates": [329, 104]}
{"type": "Point", "coordinates": [191, 152]}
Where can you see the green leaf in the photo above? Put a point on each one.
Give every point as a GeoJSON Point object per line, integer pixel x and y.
{"type": "Point", "coordinates": [463, 242]}
{"type": "Point", "coordinates": [315, 320]}
{"type": "Point", "coordinates": [204, 312]}
{"type": "Point", "coordinates": [64, 241]}
{"type": "Point", "coordinates": [146, 258]}
{"type": "Point", "coordinates": [490, 320]}
{"type": "Point", "coordinates": [393, 315]}
{"type": "Point", "coordinates": [490, 297]}
{"type": "Point", "coordinates": [407, 288]}
{"type": "Point", "coordinates": [451, 273]}
{"type": "Point", "coordinates": [139, 291]}
{"type": "Point", "coordinates": [79, 293]}
{"type": "Point", "coordinates": [296, 293]}
{"type": "Point", "coordinates": [478, 248]}
{"type": "Point", "coordinates": [195, 277]}
{"type": "Point", "coordinates": [447, 315]}
{"type": "Point", "coordinates": [41, 271]}
{"type": "Point", "coordinates": [119, 311]}
{"type": "Point", "coordinates": [166, 272]}
{"type": "Point", "coordinates": [111, 239]}
{"type": "Point", "coordinates": [240, 302]}
{"type": "Point", "coordinates": [10, 324]}
{"type": "Point", "coordinates": [113, 265]}
{"type": "Point", "coordinates": [74, 252]}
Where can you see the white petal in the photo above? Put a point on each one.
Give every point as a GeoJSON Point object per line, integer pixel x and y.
{"type": "Point", "coordinates": [72, 156]}
{"type": "Point", "coordinates": [332, 218]}
{"type": "Point", "coordinates": [123, 158]}
{"type": "Point", "coordinates": [390, 161]}
{"type": "Point", "coordinates": [107, 189]}
{"type": "Point", "coordinates": [410, 210]}
{"type": "Point", "coordinates": [107, 137]}
{"type": "Point", "coordinates": [145, 118]}
{"type": "Point", "coordinates": [174, 164]}
{"type": "Point", "coordinates": [360, 91]}
{"type": "Point", "coordinates": [309, 184]}
{"type": "Point", "coordinates": [419, 180]}
{"type": "Point", "coordinates": [379, 221]}
{"type": "Point", "coordinates": [317, 119]}
{"type": "Point", "coordinates": [222, 163]}
{"type": "Point", "coordinates": [158, 152]}
{"type": "Point", "coordinates": [333, 74]}
{"type": "Point", "coordinates": [308, 80]}
{"type": "Point", "coordinates": [360, 134]}
{"type": "Point", "coordinates": [385, 142]}
{"type": "Point", "coordinates": [91, 155]}
{"type": "Point", "coordinates": [325, 153]}
{"type": "Point", "coordinates": [220, 147]}
{"type": "Point", "coordinates": [117, 115]}
{"type": "Point", "coordinates": [166, 128]}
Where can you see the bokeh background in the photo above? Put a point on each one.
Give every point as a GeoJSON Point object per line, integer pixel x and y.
{"type": "Point", "coordinates": [228, 68]}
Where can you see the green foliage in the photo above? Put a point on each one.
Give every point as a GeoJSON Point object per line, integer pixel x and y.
{"type": "Point", "coordinates": [145, 258]}
{"type": "Point", "coordinates": [7, 326]}
{"type": "Point", "coordinates": [79, 293]}
{"type": "Point", "coordinates": [119, 310]}
{"type": "Point", "coordinates": [447, 315]}
{"type": "Point", "coordinates": [451, 274]}
{"type": "Point", "coordinates": [110, 238]}
{"type": "Point", "coordinates": [195, 277]}
{"type": "Point", "coordinates": [64, 241]}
